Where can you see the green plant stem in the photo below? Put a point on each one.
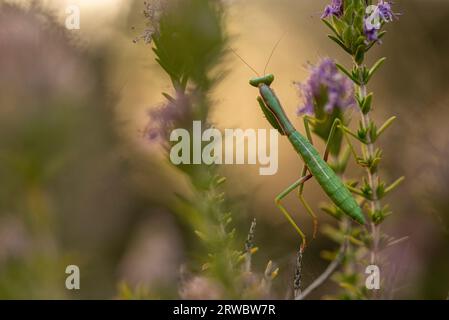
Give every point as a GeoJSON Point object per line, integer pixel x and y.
{"type": "Point", "coordinates": [373, 178]}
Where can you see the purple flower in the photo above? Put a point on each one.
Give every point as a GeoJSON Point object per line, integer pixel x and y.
{"type": "Point", "coordinates": [385, 11]}
{"type": "Point", "coordinates": [376, 15]}
{"type": "Point", "coordinates": [371, 33]}
{"type": "Point", "coordinates": [165, 118]}
{"type": "Point", "coordinates": [326, 88]}
{"type": "Point", "coordinates": [333, 9]}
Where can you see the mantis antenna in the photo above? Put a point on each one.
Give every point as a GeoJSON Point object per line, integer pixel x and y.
{"type": "Point", "coordinates": [246, 63]}
{"type": "Point", "coordinates": [269, 58]}
{"type": "Point", "coordinates": [272, 52]}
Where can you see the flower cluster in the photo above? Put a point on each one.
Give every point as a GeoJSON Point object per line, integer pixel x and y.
{"type": "Point", "coordinates": [327, 88]}
{"type": "Point", "coordinates": [366, 20]}
{"type": "Point", "coordinates": [375, 18]}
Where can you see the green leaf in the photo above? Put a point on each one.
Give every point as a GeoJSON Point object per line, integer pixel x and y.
{"type": "Point", "coordinates": [165, 67]}
{"type": "Point", "coordinates": [348, 73]}
{"type": "Point", "coordinates": [330, 26]}
{"type": "Point", "coordinates": [394, 185]}
{"type": "Point", "coordinates": [385, 126]}
{"type": "Point", "coordinates": [328, 255]}
{"type": "Point", "coordinates": [358, 22]}
{"type": "Point", "coordinates": [339, 24]}
{"type": "Point", "coordinates": [376, 66]}
{"type": "Point", "coordinates": [360, 40]}
{"type": "Point", "coordinates": [359, 55]}
{"type": "Point", "coordinates": [220, 180]}
{"type": "Point", "coordinates": [362, 133]}
{"type": "Point", "coordinates": [339, 166]}
{"type": "Point", "coordinates": [347, 37]}
{"type": "Point", "coordinates": [356, 190]}
{"type": "Point", "coordinates": [168, 97]}
{"type": "Point", "coordinates": [340, 43]}
{"type": "Point", "coordinates": [201, 235]}
{"type": "Point", "coordinates": [366, 103]}
{"type": "Point", "coordinates": [332, 211]}
{"type": "Point", "coordinates": [349, 10]}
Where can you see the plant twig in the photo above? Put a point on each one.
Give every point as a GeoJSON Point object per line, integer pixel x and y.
{"type": "Point", "coordinates": [249, 245]}
{"type": "Point", "coordinates": [327, 273]}
{"type": "Point", "coordinates": [298, 273]}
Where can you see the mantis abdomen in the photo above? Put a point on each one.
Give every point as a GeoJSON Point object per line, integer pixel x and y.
{"type": "Point", "coordinates": [326, 177]}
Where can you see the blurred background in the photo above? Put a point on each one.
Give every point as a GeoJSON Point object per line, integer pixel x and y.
{"type": "Point", "coordinates": [80, 183]}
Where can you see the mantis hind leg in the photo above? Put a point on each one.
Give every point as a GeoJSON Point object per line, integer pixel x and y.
{"type": "Point", "coordinates": [287, 215]}
{"type": "Point", "coordinates": [305, 177]}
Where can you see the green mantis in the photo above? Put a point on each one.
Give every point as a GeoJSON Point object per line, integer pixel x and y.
{"type": "Point", "coordinates": [314, 165]}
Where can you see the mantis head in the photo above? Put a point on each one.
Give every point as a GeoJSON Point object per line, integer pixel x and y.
{"type": "Point", "coordinates": [267, 80]}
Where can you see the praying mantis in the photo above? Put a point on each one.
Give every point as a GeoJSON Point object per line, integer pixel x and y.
{"type": "Point", "coordinates": [314, 165]}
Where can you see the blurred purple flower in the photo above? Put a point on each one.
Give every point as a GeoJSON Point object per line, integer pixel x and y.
{"type": "Point", "coordinates": [335, 9]}
{"type": "Point", "coordinates": [328, 86]}
{"type": "Point", "coordinates": [167, 117]}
